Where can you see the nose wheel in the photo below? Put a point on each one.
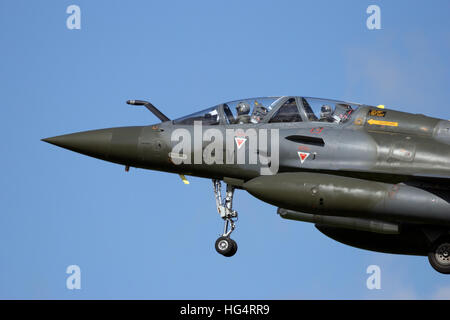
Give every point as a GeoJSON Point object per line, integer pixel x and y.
{"type": "Point", "coordinates": [224, 244]}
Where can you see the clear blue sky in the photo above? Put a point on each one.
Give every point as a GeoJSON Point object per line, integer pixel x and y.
{"type": "Point", "coordinates": [145, 234]}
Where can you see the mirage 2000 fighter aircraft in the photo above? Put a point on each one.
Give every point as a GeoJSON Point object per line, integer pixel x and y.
{"type": "Point", "coordinates": [366, 176]}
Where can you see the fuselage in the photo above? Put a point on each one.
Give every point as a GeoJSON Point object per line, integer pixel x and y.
{"type": "Point", "coordinates": [371, 163]}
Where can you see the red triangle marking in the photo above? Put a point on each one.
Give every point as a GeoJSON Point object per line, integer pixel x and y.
{"type": "Point", "coordinates": [240, 141]}
{"type": "Point", "coordinates": [303, 156]}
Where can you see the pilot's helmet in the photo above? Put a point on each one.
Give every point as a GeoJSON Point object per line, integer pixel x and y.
{"type": "Point", "coordinates": [243, 108]}
{"type": "Point", "coordinates": [325, 111]}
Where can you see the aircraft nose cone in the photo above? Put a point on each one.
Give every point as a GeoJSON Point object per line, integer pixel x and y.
{"type": "Point", "coordinates": [94, 143]}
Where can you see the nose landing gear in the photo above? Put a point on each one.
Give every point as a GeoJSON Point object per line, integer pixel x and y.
{"type": "Point", "coordinates": [224, 244]}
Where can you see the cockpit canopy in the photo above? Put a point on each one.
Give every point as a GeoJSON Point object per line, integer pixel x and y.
{"type": "Point", "coordinates": [273, 110]}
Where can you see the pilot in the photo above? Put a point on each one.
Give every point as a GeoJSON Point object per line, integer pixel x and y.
{"type": "Point", "coordinates": [341, 113]}
{"type": "Point", "coordinates": [259, 111]}
{"type": "Point", "coordinates": [243, 109]}
{"type": "Point", "coordinates": [325, 113]}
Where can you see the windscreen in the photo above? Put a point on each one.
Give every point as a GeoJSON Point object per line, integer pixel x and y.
{"type": "Point", "coordinates": [208, 116]}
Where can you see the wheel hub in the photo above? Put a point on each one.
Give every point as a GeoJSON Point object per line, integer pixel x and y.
{"type": "Point", "coordinates": [223, 245]}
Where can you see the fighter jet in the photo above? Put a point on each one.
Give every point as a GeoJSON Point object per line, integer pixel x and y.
{"type": "Point", "coordinates": [367, 176]}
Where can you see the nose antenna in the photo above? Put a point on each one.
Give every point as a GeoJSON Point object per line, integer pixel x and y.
{"type": "Point", "coordinates": [161, 116]}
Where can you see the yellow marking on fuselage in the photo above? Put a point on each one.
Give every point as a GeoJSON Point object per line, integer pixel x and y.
{"type": "Point", "coordinates": [382, 123]}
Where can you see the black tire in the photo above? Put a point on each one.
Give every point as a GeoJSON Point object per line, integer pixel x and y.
{"type": "Point", "coordinates": [224, 246]}
{"type": "Point", "coordinates": [233, 250]}
{"type": "Point", "coordinates": [439, 255]}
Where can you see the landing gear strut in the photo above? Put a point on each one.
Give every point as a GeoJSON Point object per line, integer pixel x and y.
{"type": "Point", "coordinates": [224, 244]}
